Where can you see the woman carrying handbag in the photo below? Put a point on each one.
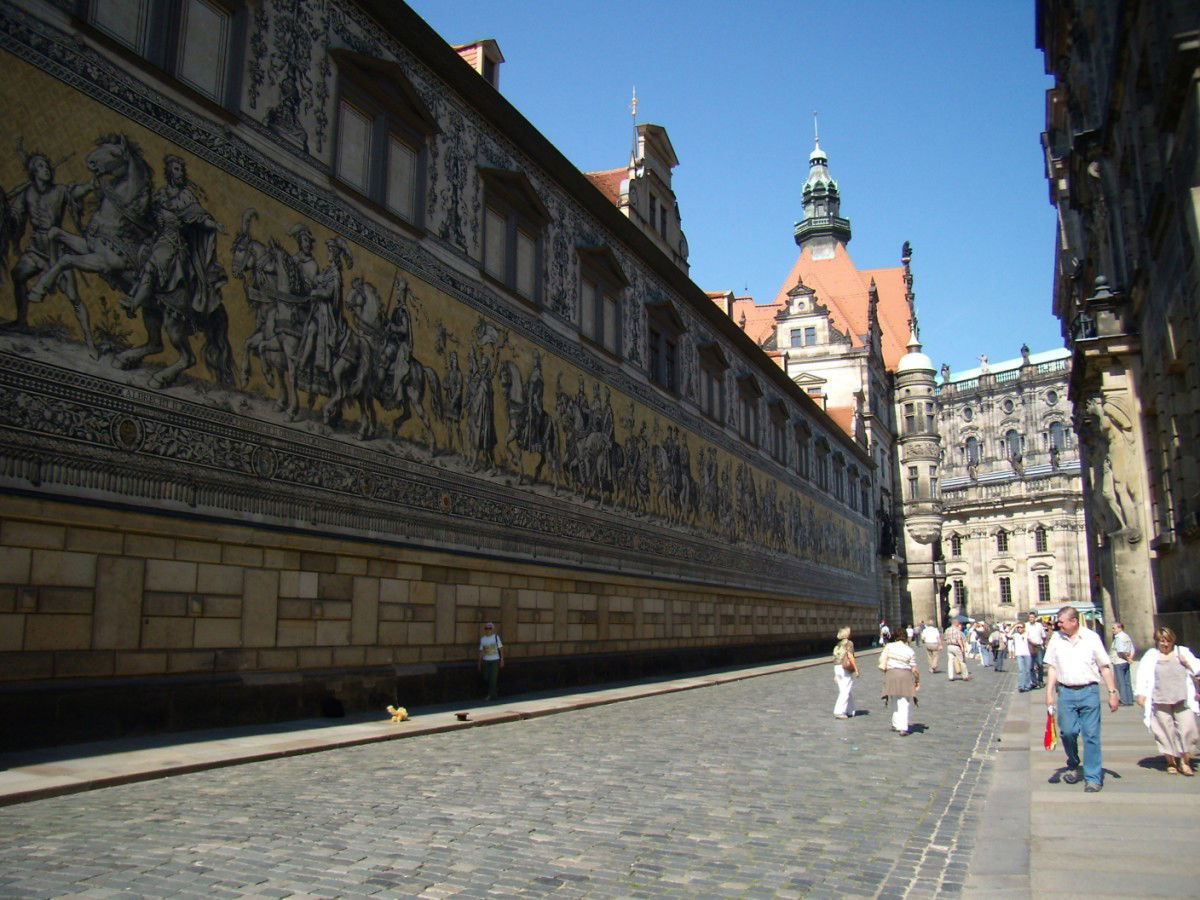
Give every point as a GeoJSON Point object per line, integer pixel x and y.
{"type": "Point", "coordinates": [845, 670]}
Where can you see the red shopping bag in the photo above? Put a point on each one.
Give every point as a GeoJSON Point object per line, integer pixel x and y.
{"type": "Point", "coordinates": [1050, 738]}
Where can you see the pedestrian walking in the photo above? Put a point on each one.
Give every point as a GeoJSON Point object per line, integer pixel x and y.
{"type": "Point", "coordinates": [956, 650]}
{"type": "Point", "coordinates": [1036, 633]}
{"type": "Point", "coordinates": [1166, 691]}
{"type": "Point", "coordinates": [901, 679]}
{"type": "Point", "coordinates": [885, 632]}
{"type": "Point", "coordinates": [998, 641]}
{"type": "Point", "coordinates": [1077, 662]}
{"type": "Point", "coordinates": [1019, 642]}
{"type": "Point", "coordinates": [845, 670]}
{"type": "Point", "coordinates": [1121, 652]}
{"type": "Point", "coordinates": [491, 659]}
{"type": "Point", "coordinates": [931, 638]}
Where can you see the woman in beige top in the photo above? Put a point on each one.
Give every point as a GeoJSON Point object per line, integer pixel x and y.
{"type": "Point", "coordinates": [1166, 691]}
{"type": "Point", "coordinates": [901, 679]}
{"type": "Point", "coordinates": [845, 670]}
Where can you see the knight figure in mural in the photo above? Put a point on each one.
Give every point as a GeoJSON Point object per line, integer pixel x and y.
{"type": "Point", "coordinates": [42, 204]}
{"type": "Point", "coordinates": [180, 276]}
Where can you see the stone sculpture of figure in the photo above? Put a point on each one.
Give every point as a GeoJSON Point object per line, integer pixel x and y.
{"type": "Point", "coordinates": [1118, 468]}
{"type": "Point", "coordinates": [983, 364]}
{"type": "Point", "coordinates": [945, 373]}
{"type": "Point", "coordinates": [1024, 354]}
{"type": "Point", "coordinates": [43, 204]}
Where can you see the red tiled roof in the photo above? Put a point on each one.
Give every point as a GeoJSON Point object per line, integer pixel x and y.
{"type": "Point", "coordinates": [609, 183]}
{"type": "Point", "coordinates": [842, 287]}
{"type": "Point", "coordinates": [843, 416]}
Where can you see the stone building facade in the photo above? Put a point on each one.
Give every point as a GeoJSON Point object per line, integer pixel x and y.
{"type": "Point", "coordinates": [320, 355]}
{"type": "Point", "coordinates": [1122, 146]}
{"type": "Point", "coordinates": [1013, 536]}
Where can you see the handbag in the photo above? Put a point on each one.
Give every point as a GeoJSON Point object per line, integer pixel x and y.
{"type": "Point", "coordinates": [883, 661]}
{"type": "Point", "coordinates": [848, 662]}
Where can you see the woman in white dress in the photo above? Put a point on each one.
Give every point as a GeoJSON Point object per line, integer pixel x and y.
{"type": "Point", "coordinates": [901, 680]}
{"type": "Point", "coordinates": [845, 670]}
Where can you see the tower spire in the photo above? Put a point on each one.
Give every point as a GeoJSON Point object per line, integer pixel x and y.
{"type": "Point", "coordinates": [633, 110]}
{"type": "Point", "coordinates": [822, 227]}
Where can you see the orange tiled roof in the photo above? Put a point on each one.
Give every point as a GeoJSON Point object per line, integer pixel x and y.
{"type": "Point", "coordinates": [609, 183]}
{"type": "Point", "coordinates": [843, 416]}
{"type": "Point", "coordinates": [842, 287]}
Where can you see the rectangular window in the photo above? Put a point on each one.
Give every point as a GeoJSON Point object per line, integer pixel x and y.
{"type": "Point", "coordinates": [910, 418]}
{"type": "Point", "coordinates": [401, 196]}
{"type": "Point", "coordinates": [711, 394]}
{"type": "Point", "coordinates": [1039, 540]}
{"type": "Point", "coordinates": [354, 147]}
{"type": "Point", "coordinates": [796, 338]}
{"type": "Point", "coordinates": [810, 335]}
{"type": "Point", "coordinates": [1002, 542]}
{"type": "Point", "coordinates": [612, 330]}
{"type": "Point", "coordinates": [960, 593]}
{"type": "Point", "coordinates": [803, 452]}
{"type": "Point", "coordinates": [526, 278]}
{"type": "Point", "coordinates": [933, 481]}
{"type": "Point", "coordinates": [955, 545]}
{"type": "Point", "coordinates": [1043, 582]}
{"type": "Point", "coordinates": [1006, 590]}
{"type": "Point", "coordinates": [203, 47]}
{"type": "Point", "coordinates": [914, 483]}
{"type": "Point", "coordinates": [495, 244]}
{"type": "Point", "coordinates": [196, 41]}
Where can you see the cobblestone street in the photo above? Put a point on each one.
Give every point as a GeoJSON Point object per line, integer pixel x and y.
{"type": "Point", "coordinates": [744, 789]}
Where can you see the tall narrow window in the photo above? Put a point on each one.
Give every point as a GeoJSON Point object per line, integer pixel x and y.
{"type": "Point", "coordinates": [810, 336]}
{"type": "Point", "coordinates": [749, 395]}
{"type": "Point", "coordinates": [972, 446]}
{"type": "Point", "coordinates": [713, 366]}
{"type": "Point", "coordinates": [1006, 590]}
{"type": "Point", "coordinates": [910, 418]}
{"type": "Point", "coordinates": [803, 450]}
{"type": "Point", "coordinates": [1002, 541]}
{"type": "Point", "coordinates": [960, 593]}
{"type": "Point", "coordinates": [930, 421]}
{"type": "Point", "coordinates": [1039, 540]}
{"type": "Point", "coordinates": [1059, 438]}
{"type": "Point", "coordinates": [955, 545]}
{"type": "Point", "coordinates": [1012, 445]}
{"type": "Point", "coordinates": [777, 423]}
{"type": "Point", "coordinates": [914, 483]}
{"type": "Point", "coordinates": [1043, 584]}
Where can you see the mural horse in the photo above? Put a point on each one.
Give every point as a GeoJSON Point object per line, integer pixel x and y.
{"type": "Point", "coordinates": [120, 233]}
{"type": "Point", "coordinates": [530, 430]}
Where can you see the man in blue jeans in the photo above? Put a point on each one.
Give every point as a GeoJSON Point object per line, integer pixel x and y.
{"type": "Point", "coordinates": [1077, 661]}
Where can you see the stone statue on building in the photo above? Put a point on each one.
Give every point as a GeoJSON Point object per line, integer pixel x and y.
{"type": "Point", "coordinates": [1117, 470]}
{"type": "Point", "coordinates": [983, 364]}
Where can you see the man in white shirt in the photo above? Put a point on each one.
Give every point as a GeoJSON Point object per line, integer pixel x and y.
{"type": "Point", "coordinates": [1035, 633]}
{"type": "Point", "coordinates": [1077, 662]}
{"type": "Point", "coordinates": [932, 640]}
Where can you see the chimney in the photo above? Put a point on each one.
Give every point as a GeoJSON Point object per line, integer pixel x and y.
{"type": "Point", "coordinates": [485, 58]}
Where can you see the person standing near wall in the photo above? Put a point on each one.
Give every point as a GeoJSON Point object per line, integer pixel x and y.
{"type": "Point", "coordinates": [1122, 651]}
{"type": "Point", "coordinates": [1036, 632]}
{"type": "Point", "coordinates": [491, 658]}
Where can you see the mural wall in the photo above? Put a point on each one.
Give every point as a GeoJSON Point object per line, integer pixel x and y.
{"type": "Point", "coordinates": [229, 346]}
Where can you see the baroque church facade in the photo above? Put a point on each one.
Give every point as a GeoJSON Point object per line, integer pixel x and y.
{"type": "Point", "coordinates": [317, 355]}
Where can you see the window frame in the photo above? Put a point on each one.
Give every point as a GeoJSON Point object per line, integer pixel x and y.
{"type": "Point", "coordinates": [777, 417]}
{"type": "Point", "coordinates": [511, 198]}
{"type": "Point", "coordinates": [1041, 541]}
{"type": "Point", "coordinates": [1005, 588]}
{"type": "Point", "coordinates": [1002, 541]}
{"type": "Point", "coordinates": [803, 436]}
{"type": "Point", "coordinates": [599, 267]}
{"type": "Point", "coordinates": [749, 418]}
{"type": "Point", "coordinates": [713, 370]}
{"type": "Point", "coordinates": [664, 334]}
{"type": "Point", "coordinates": [162, 40]}
{"type": "Point", "coordinates": [1043, 589]}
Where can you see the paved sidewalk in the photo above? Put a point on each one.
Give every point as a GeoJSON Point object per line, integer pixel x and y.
{"type": "Point", "coordinates": [50, 772]}
{"type": "Point", "coordinates": [1041, 837]}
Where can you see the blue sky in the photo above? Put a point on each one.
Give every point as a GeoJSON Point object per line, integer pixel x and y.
{"type": "Point", "coordinates": [930, 112]}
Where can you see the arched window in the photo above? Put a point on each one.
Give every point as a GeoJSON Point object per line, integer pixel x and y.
{"type": "Point", "coordinates": [1058, 436]}
{"type": "Point", "coordinates": [1039, 540]}
{"type": "Point", "coordinates": [955, 545]}
{"type": "Point", "coordinates": [1001, 541]}
{"type": "Point", "coordinates": [972, 451]}
{"type": "Point", "coordinates": [1012, 445]}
